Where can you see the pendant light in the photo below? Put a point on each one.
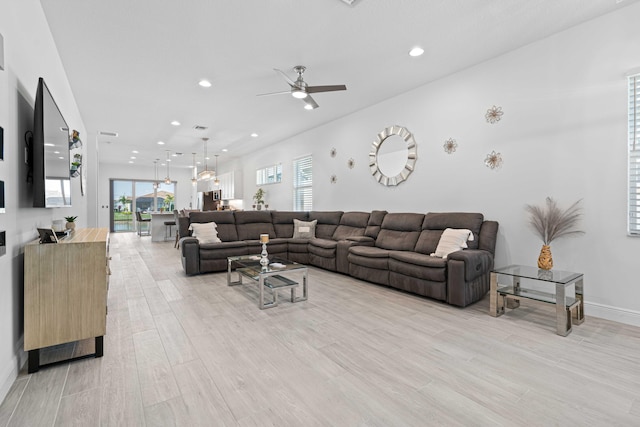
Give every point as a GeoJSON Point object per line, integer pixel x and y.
{"type": "Point", "coordinates": [155, 180]}
{"type": "Point", "coordinates": [216, 181]}
{"type": "Point", "coordinates": [167, 180]}
{"type": "Point", "coordinates": [194, 179]}
{"type": "Point", "coordinates": [206, 174]}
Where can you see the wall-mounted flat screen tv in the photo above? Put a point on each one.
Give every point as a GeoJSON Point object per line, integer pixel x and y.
{"type": "Point", "coordinates": [50, 149]}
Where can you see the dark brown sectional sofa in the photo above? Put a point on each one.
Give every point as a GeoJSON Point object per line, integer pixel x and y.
{"type": "Point", "coordinates": [391, 249]}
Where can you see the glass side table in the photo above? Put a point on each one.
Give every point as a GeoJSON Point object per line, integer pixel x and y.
{"type": "Point", "coordinates": [509, 295]}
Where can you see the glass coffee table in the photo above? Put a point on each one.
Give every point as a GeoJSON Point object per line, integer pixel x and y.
{"type": "Point", "coordinates": [511, 294]}
{"type": "Point", "coordinates": [272, 276]}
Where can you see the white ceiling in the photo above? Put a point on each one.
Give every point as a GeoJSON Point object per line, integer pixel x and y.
{"type": "Point", "coordinates": [134, 65]}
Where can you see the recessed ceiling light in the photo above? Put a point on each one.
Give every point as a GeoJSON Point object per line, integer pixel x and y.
{"type": "Point", "coordinates": [131, 161]}
{"type": "Point", "coordinates": [168, 160]}
{"type": "Point", "coordinates": [416, 51]}
{"type": "Point", "coordinates": [135, 151]}
{"type": "Point", "coordinates": [133, 157]}
{"type": "Point", "coordinates": [224, 150]}
{"type": "Point", "coordinates": [254, 135]}
{"type": "Point", "coordinates": [56, 152]}
{"type": "Point", "coordinates": [61, 158]}
{"type": "Point", "coordinates": [160, 143]}
{"type": "Point", "coordinates": [174, 155]}
{"type": "Point", "coordinates": [48, 144]}
{"type": "Point", "coordinates": [197, 163]}
{"type": "Point", "coordinates": [204, 83]}
{"type": "Point", "coordinates": [175, 123]}
{"type": "Point", "coordinates": [308, 107]}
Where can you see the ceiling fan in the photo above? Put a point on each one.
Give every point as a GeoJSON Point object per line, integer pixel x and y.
{"type": "Point", "coordinates": [300, 89]}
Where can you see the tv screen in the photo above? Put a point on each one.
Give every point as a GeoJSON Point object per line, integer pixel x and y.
{"type": "Point", "coordinates": [50, 148]}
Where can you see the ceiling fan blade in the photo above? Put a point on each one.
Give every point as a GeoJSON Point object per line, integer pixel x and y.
{"type": "Point", "coordinates": [308, 100]}
{"type": "Point", "coordinates": [275, 93]}
{"type": "Point", "coordinates": [316, 89]}
{"type": "Point", "coordinates": [291, 82]}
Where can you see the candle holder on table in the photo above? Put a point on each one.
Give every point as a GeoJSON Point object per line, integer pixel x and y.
{"type": "Point", "coordinates": [264, 239]}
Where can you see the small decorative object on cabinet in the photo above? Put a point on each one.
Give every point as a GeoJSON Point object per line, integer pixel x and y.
{"type": "Point", "coordinates": [550, 222]}
{"type": "Point", "coordinates": [65, 292]}
{"type": "Point", "coordinates": [71, 222]}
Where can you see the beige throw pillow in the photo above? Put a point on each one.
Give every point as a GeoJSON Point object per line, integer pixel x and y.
{"type": "Point", "coordinates": [304, 230]}
{"type": "Point", "coordinates": [452, 240]}
{"type": "Point", "coordinates": [205, 233]}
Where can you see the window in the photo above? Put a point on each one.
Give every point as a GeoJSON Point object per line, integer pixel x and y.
{"type": "Point", "coordinates": [302, 184]}
{"type": "Point", "coordinates": [634, 155]}
{"type": "Point", "coordinates": [269, 175]}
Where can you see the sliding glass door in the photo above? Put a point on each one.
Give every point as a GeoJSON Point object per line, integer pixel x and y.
{"type": "Point", "coordinates": [131, 196]}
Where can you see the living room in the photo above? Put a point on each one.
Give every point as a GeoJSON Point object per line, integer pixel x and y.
{"type": "Point", "coordinates": [563, 133]}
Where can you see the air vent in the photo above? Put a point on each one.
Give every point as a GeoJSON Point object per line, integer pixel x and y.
{"type": "Point", "coordinates": [349, 2]}
{"type": "Point", "coordinates": [114, 134]}
{"type": "Point", "coordinates": [198, 127]}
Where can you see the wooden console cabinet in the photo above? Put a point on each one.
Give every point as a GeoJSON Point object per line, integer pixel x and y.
{"type": "Point", "coordinates": [65, 292]}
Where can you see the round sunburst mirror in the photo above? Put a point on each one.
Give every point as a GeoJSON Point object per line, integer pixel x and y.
{"type": "Point", "coordinates": [393, 156]}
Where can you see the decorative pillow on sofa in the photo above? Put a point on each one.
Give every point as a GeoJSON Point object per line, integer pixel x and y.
{"type": "Point", "coordinates": [205, 233]}
{"type": "Point", "coordinates": [452, 240]}
{"type": "Point", "coordinates": [304, 229]}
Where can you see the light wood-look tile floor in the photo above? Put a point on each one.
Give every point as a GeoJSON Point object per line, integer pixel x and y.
{"type": "Point", "coordinates": [190, 351]}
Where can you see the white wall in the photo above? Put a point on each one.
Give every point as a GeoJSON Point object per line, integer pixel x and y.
{"type": "Point", "coordinates": [563, 134]}
{"type": "Point", "coordinates": [29, 53]}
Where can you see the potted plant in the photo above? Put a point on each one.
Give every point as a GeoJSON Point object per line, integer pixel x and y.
{"type": "Point", "coordinates": [259, 198]}
{"type": "Point", "coordinates": [551, 222]}
{"type": "Point", "coordinates": [71, 222]}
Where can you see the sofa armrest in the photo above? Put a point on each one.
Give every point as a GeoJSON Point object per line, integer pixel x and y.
{"type": "Point", "coordinates": [361, 240]}
{"type": "Point", "coordinates": [468, 276]}
{"type": "Point", "coordinates": [190, 250]}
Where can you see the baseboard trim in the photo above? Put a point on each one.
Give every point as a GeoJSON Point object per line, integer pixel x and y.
{"type": "Point", "coordinates": [10, 373]}
{"type": "Point", "coordinates": [629, 317]}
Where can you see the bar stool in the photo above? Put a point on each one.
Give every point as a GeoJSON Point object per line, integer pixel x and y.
{"type": "Point", "coordinates": [167, 228]}
{"type": "Point", "coordinates": [140, 221]}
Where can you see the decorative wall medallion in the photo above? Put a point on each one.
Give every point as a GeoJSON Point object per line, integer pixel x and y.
{"type": "Point", "coordinates": [333, 152]}
{"type": "Point", "coordinates": [333, 179]}
{"type": "Point", "coordinates": [493, 161]}
{"type": "Point", "coordinates": [351, 163]}
{"type": "Point", "coordinates": [494, 114]}
{"type": "Point", "coordinates": [393, 167]}
{"type": "Point", "coordinates": [450, 145]}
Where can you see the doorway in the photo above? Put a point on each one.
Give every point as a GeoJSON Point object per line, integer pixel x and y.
{"type": "Point", "coordinates": [130, 196]}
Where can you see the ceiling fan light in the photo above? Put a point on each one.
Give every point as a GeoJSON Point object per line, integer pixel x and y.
{"type": "Point", "coordinates": [299, 93]}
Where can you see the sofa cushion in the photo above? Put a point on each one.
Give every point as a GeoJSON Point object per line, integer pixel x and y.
{"type": "Point", "coordinates": [374, 223]}
{"type": "Point", "coordinates": [443, 220]}
{"type": "Point", "coordinates": [298, 245]}
{"type": "Point", "coordinates": [418, 259]}
{"type": "Point", "coordinates": [222, 250]}
{"type": "Point", "coordinates": [400, 231]}
{"type": "Point", "coordinates": [205, 233]}
{"type": "Point", "coordinates": [351, 224]}
{"type": "Point", "coordinates": [304, 229]}
{"type": "Point", "coordinates": [435, 223]}
{"type": "Point", "coordinates": [251, 224]}
{"type": "Point", "coordinates": [225, 221]}
{"type": "Point", "coordinates": [323, 243]}
{"type": "Point", "coordinates": [327, 222]}
{"type": "Point", "coordinates": [369, 256]}
{"type": "Point", "coordinates": [417, 265]}
{"type": "Point", "coordinates": [452, 240]}
{"type": "Point", "coordinates": [283, 222]}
